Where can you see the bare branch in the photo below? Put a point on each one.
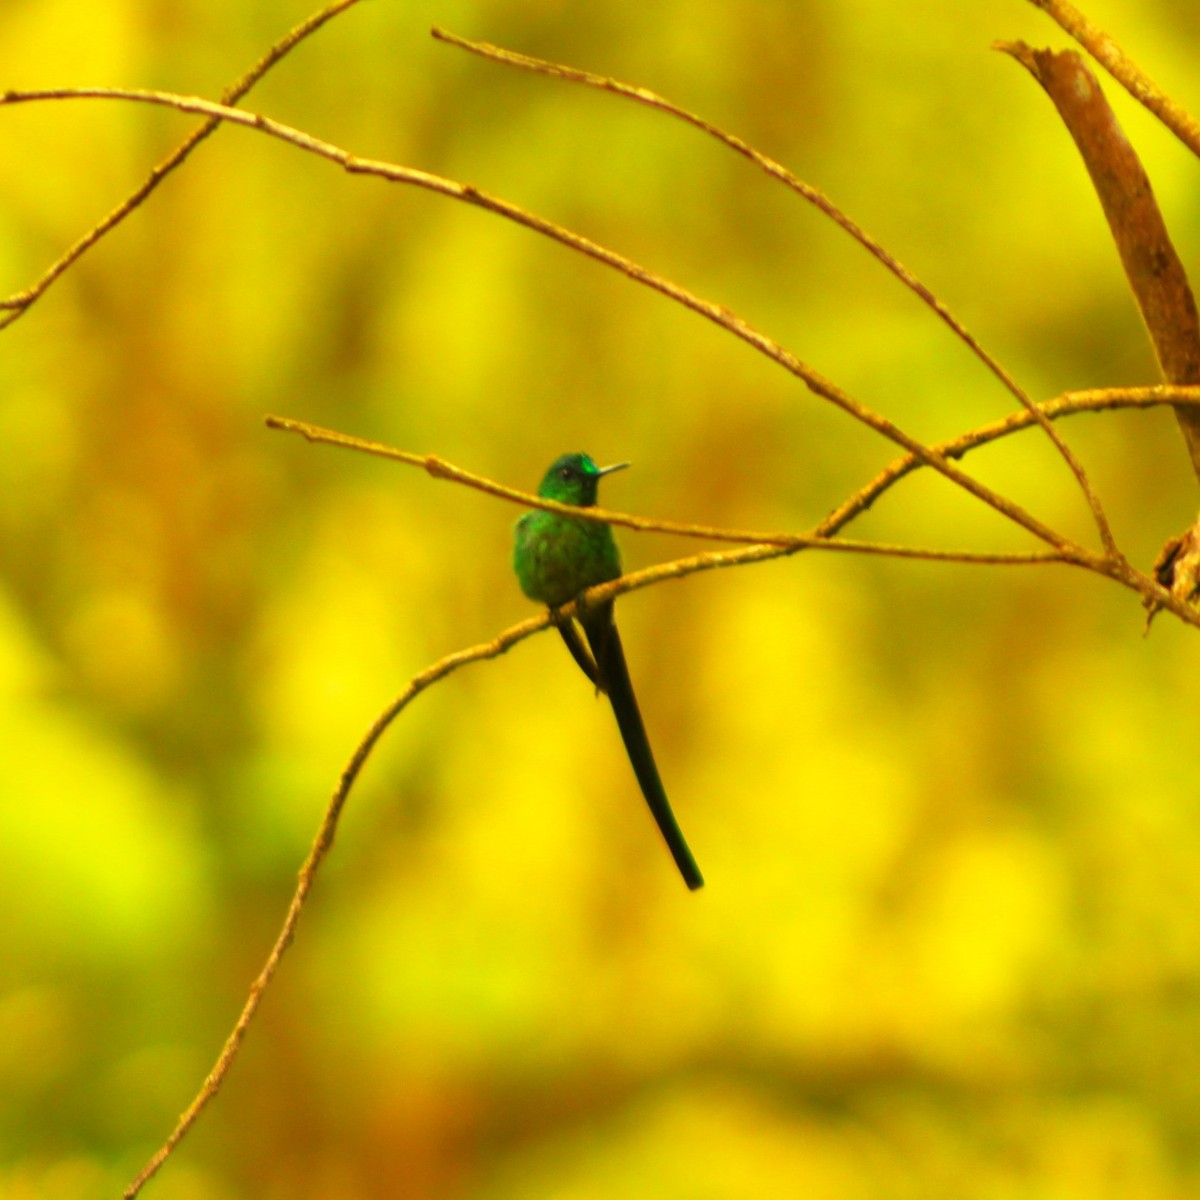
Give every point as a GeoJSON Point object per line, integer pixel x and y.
{"type": "Point", "coordinates": [1068, 404]}
{"type": "Point", "coordinates": [320, 848]}
{"type": "Point", "coordinates": [469, 194]}
{"type": "Point", "coordinates": [712, 560]}
{"type": "Point", "coordinates": [439, 468]}
{"type": "Point", "coordinates": [821, 538]}
{"type": "Point", "coordinates": [1152, 266]}
{"type": "Point", "coordinates": [781, 545]}
{"type": "Point", "coordinates": [759, 547]}
{"type": "Point", "coordinates": [19, 303]}
{"type": "Point", "coordinates": [822, 202]}
{"type": "Point", "coordinates": [1147, 587]}
{"type": "Point", "coordinates": [439, 670]}
{"type": "Point", "coordinates": [1124, 70]}
{"type": "Point", "coordinates": [769, 165]}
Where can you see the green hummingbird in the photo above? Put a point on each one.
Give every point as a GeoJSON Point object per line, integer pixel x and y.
{"type": "Point", "coordinates": [556, 557]}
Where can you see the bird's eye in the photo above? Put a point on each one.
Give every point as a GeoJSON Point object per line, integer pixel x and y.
{"type": "Point", "coordinates": [564, 472]}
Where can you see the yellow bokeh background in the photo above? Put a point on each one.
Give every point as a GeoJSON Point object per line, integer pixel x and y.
{"type": "Point", "coordinates": [949, 945]}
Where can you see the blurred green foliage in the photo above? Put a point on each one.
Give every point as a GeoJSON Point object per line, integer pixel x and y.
{"type": "Point", "coordinates": [949, 946]}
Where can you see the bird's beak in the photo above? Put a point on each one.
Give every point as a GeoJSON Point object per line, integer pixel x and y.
{"type": "Point", "coordinates": [614, 467]}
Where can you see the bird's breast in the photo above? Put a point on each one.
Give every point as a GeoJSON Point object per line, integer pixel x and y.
{"type": "Point", "coordinates": [557, 558]}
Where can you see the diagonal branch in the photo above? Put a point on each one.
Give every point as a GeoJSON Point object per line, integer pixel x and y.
{"type": "Point", "coordinates": [1068, 404]}
{"type": "Point", "coordinates": [777, 545]}
{"type": "Point", "coordinates": [822, 202]}
{"type": "Point", "coordinates": [316, 856]}
{"type": "Point", "coordinates": [763, 547]}
{"type": "Point", "coordinates": [18, 303]}
{"type": "Point", "coordinates": [469, 194]}
{"type": "Point", "coordinates": [818, 539]}
{"type": "Point", "coordinates": [327, 830]}
{"type": "Point", "coordinates": [1152, 266]}
{"type": "Point", "coordinates": [1124, 70]}
{"type": "Point", "coordinates": [439, 468]}
{"type": "Point", "coordinates": [711, 560]}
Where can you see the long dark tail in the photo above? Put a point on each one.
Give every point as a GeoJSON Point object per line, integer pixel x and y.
{"type": "Point", "coordinates": [605, 642]}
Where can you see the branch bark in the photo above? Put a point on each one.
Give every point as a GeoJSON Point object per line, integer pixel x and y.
{"type": "Point", "coordinates": [1124, 70]}
{"type": "Point", "coordinates": [469, 194]}
{"type": "Point", "coordinates": [16, 305]}
{"type": "Point", "coordinates": [1152, 266]}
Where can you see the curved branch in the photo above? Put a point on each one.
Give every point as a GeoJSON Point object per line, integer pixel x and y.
{"type": "Point", "coordinates": [1147, 587]}
{"type": "Point", "coordinates": [469, 194]}
{"type": "Point", "coordinates": [445, 666]}
{"type": "Point", "coordinates": [439, 468]}
{"type": "Point", "coordinates": [1152, 265]}
{"type": "Point", "coordinates": [327, 831]}
{"type": "Point", "coordinates": [762, 549]}
{"type": "Point", "coordinates": [19, 302]}
{"type": "Point", "coordinates": [316, 856]}
{"type": "Point", "coordinates": [1124, 70]}
{"type": "Point", "coordinates": [822, 202]}
{"type": "Point", "coordinates": [1068, 404]}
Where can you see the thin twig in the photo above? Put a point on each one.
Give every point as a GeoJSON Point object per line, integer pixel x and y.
{"type": "Point", "coordinates": [20, 302]}
{"type": "Point", "coordinates": [1124, 70]}
{"type": "Point", "coordinates": [919, 454]}
{"type": "Point", "coordinates": [826, 206]}
{"type": "Point", "coordinates": [1068, 404]}
{"type": "Point", "coordinates": [320, 848]}
{"type": "Point", "coordinates": [778, 545]}
{"type": "Point", "coordinates": [660, 573]}
{"type": "Point", "coordinates": [439, 468]}
{"type": "Point", "coordinates": [469, 194]}
{"type": "Point", "coordinates": [439, 670]}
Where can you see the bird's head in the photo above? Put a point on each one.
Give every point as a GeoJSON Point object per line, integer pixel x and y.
{"type": "Point", "coordinates": [573, 479]}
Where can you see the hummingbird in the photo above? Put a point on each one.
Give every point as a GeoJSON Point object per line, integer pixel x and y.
{"type": "Point", "coordinates": [556, 557]}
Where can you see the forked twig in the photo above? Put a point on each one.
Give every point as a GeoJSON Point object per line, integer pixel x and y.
{"type": "Point", "coordinates": [821, 537]}
{"type": "Point", "coordinates": [20, 302]}
{"type": "Point", "coordinates": [1068, 404]}
{"type": "Point", "coordinates": [781, 546]}
{"type": "Point", "coordinates": [439, 468]}
{"type": "Point", "coordinates": [827, 207]}
{"type": "Point", "coordinates": [439, 670]}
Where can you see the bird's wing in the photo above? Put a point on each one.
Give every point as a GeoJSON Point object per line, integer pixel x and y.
{"type": "Point", "coordinates": [580, 652]}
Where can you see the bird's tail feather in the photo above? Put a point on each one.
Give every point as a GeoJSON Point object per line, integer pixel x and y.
{"type": "Point", "coordinates": [605, 642]}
